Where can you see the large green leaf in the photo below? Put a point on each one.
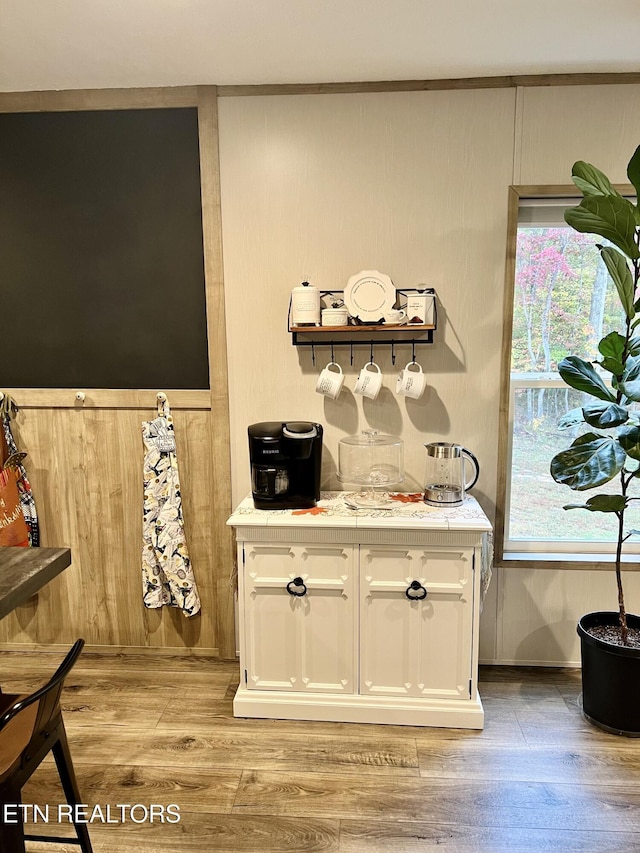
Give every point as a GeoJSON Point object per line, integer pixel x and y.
{"type": "Point", "coordinates": [613, 366]}
{"type": "Point", "coordinates": [629, 439]}
{"type": "Point", "coordinates": [631, 369]}
{"type": "Point", "coordinates": [633, 170]}
{"type": "Point", "coordinates": [590, 180]}
{"type": "Point", "coordinates": [605, 415]}
{"type": "Point", "coordinates": [579, 374]}
{"type": "Point", "coordinates": [612, 348]}
{"type": "Point", "coordinates": [612, 345]}
{"type": "Point", "coordinates": [631, 389]}
{"type": "Point", "coordinates": [590, 461]}
{"type": "Point", "coordinates": [602, 503]}
{"type": "Point", "coordinates": [572, 418]}
{"type": "Point", "coordinates": [610, 216]}
{"type": "Point", "coordinates": [634, 346]}
{"type": "Point", "coordinates": [621, 276]}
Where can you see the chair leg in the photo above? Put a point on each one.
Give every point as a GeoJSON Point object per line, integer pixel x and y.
{"type": "Point", "coordinates": [11, 834]}
{"type": "Point", "coordinates": [64, 764]}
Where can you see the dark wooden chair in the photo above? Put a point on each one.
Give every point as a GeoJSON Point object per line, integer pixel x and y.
{"type": "Point", "coordinates": [31, 727]}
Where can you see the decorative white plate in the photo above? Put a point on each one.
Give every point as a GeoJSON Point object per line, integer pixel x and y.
{"type": "Point", "coordinates": [369, 295]}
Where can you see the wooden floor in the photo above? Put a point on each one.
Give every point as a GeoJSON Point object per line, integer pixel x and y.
{"type": "Point", "coordinates": [160, 730]}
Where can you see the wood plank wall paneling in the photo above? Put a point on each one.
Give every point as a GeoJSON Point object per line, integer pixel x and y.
{"type": "Point", "coordinates": [85, 458]}
{"type": "Point", "coordinates": [85, 467]}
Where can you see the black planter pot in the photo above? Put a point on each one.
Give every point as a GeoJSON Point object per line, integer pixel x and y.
{"type": "Point", "coordinates": [610, 678]}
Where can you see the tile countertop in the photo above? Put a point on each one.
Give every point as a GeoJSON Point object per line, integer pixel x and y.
{"type": "Point", "coordinates": [410, 513]}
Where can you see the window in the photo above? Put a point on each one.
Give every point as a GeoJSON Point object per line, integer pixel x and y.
{"type": "Point", "coordinates": [560, 301]}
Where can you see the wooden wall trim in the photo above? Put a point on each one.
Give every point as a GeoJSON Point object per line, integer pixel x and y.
{"type": "Point", "coordinates": [565, 565]}
{"type": "Point", "coordinates": [98, 99]}
{"type": "Point", "coordinates": [101, 398]}
{"type": "Point", "coordinates": [187, 96]}
{"type": "Point", "coordinates": [505, 361]}
{"type": "Point", "coordinates": [224, 559]}
{"type": "Point", "coordinates": [504, 82]}
{"type": "Point", "coordinates": [561, 191]}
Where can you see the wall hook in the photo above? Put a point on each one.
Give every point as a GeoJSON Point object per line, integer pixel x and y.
{"type": "Point", "coordinates": [351, 353]}
{"type": "Point", "coordinates": [393, 352]}
{"type": "Point", "coordinates": [80, 396]}
{"type": "Point", "coordinates": [332, 358]}
{"type": "Point", "coordinates": [313, 354]}
{"type": "Point", "coordinates": [371, 352]}
{"type": "Point", "coordinates": [413, 351]}
{"type": "Point", "coordinates": [161, 397]}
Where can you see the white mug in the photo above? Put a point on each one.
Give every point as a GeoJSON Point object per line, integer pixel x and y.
{"type": "Point", "coordinates": [369, 381]}
{"type": "Point", "coordinates": [395, 317]}
{"type": "Point", "coordinates": [411, 383]}
{"type": "Point", "coordinates": [330, 381]}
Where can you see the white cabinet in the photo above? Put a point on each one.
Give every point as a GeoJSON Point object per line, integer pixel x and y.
{"type": "Point", "coordinates": [360, 616]}
{"type": "Point", "coordinates": [301, 640]}
{"type": "Point", "coordinates": [419, 647]}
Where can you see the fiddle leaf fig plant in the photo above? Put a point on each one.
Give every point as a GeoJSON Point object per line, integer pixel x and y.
{"type": "Point", "coordinates": [612, 450]}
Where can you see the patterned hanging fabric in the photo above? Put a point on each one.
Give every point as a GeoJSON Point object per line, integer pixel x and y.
{"type": "Point", "coordinates": [11, 456]}
{"type": "Point", "coordinates": [167, 576]}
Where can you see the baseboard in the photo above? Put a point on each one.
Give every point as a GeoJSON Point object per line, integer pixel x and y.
{"type": "Point", "coordinates": [167, 651]}
{"type": "Point", "coordinates": [551, 664]}
{"type": "Point", "coordinates": [355, 708]}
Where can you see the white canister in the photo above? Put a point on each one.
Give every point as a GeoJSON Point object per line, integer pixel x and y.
{"type": "Point", "coordinates": [420, 308]}
{"type": "Point", "coordinates": [335, 317]}
{"type": "Point", "coordinates": [305, 305]}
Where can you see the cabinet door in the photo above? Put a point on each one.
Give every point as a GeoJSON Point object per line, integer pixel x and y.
{"type": "Point", "coordinates": [416, 648]}
{"type": "Point", "coordinates": [304, 643]}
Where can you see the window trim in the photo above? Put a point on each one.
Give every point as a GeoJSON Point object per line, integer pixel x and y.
{"type": "Point", "coordinates": [516, 193]}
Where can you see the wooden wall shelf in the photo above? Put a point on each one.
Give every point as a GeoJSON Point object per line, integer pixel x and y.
{"type": "Point", "coordinates": [362, 330]}
{"type": "Point", "coordinates": [364, 334]}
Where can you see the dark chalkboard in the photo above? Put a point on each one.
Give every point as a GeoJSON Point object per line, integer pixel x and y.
{"type": "Point", "coordinates": [101, 259]}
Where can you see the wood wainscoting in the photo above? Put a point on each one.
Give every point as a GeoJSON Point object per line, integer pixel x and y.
{"type": "Point", "coordinates": [85, 456]}
{"type": "Point", "coordinates": [85, 466]}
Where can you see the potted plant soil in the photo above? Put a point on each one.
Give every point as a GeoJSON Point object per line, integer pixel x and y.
{"type": "Point", "coordinates": [609, 450]}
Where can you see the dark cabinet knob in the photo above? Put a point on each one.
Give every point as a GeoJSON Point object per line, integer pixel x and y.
{"type": "Point", "coordinates": [415, 591]}
{"type": "Point", "coordinates": [297, 587]}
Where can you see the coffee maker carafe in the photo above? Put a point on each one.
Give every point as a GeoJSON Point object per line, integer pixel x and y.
{"type": "Point", "coordinates": [446, 479]}
{"type": "Point", "coordinates": [286, 460]}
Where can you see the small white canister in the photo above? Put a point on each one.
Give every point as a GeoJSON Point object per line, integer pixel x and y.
{"type": "Point", "coordinates": [420, 307]}
{"type": "Point", "coordinates": [305, 305]}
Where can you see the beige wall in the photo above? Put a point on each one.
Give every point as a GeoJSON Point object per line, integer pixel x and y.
{"type": "Point", "coordinates": [414, 185]}
{"type": "Point", "coordinates": [562, 124]}
{"type": "Point", "coordinates": [411, 184]}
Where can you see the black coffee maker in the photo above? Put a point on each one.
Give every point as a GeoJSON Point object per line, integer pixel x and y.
{"type": "Point", "coordinates": [286, 458]}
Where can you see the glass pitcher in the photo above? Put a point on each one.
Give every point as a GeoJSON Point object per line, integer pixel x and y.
{"type": "Point", "coordinates": [446, 476]}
